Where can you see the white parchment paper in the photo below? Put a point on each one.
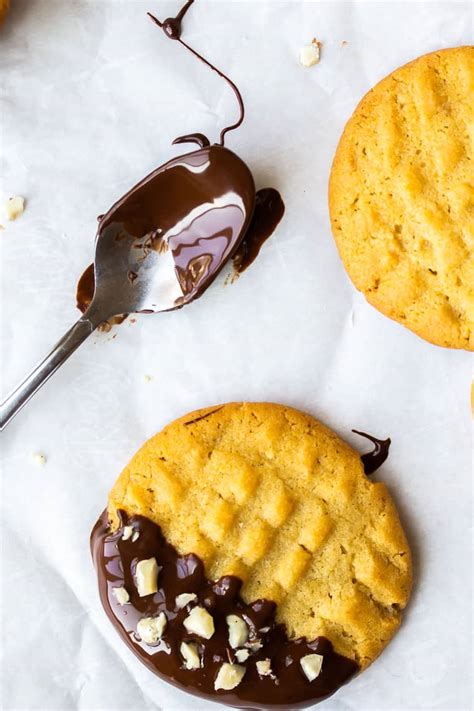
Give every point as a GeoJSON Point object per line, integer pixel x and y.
{"type": "Point", "coordinates": [92, 96]}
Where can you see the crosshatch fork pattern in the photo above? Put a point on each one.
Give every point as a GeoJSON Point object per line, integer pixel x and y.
{"type": "Point", "coordinates": [269, 494]}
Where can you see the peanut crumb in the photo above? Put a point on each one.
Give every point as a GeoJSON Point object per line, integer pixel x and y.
{"type": "Point", "coordinates": [39, 458]}
{"type": "Point", "coordinates": [15, 207]}
{"type": "Point", "coordinates": [310, 54]}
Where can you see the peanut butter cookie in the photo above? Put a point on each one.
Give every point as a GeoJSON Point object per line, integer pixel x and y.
{"type": "Point", "coordinates": [4, 7]}
{"type": "Point", "coordinates": [401, 197]}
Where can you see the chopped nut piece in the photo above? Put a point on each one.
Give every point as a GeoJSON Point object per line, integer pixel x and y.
{"type": "Point", "coordinates": [229, 676]}
{"type": "Point", "coordinates": [127, 533]}
{"type": "Point", "coordinates": [200, 622]}
{"type": "Point", "coordinates": [189, 652]}
{"type": "Point", "coordinates": [254, 646]}
{"type": "Point", "coordinates": [310, 53]}
{"type": "Point", "coordinates": [121, 595]}
{"type": "Point", "coordinates": [238, 631]}
{"type": "Point", "coordinates": [311, 665]}
{"type": "Point", "coordinates": [147, 576]}
{"type": "Point", "coordinates": [151, 629]}
{"type": "Point", "coordinates": [242, 655]}
{"type": "Point", "coordinates": [39, 458]}
{"type": "Point", "coordinates": [15, 207]}
{"type": "Point", "coordinates": [184, 599]}
{"type": "Point", "coordinates": [136, 536]}
{"type": "Point", "coordinates": [264, 667]}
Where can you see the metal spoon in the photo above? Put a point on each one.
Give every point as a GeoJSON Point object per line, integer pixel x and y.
{"type": "Point", "coordinates": [158, 248]}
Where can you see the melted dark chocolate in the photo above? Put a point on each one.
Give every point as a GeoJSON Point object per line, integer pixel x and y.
{"type": "Point", "coordinates": [172, 27]}
{"type": "Point", "coordinates": [288, 688]}
{"type": "Point", "coordinates": [269, 210]}
{"type": "Point", "coordinates": [374, 459]}
{"type": "Point", "coordinates": [199, 204]}
{"type": "Point", "coordinates": [199, 138]}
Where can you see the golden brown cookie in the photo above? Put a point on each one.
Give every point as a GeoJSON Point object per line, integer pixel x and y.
{"type": "Point", "coordinates": [401, 197]}
{"type": "Point", "coordinates": [269, 494]}
{"type": "Point", "coordinates": [4, 7]}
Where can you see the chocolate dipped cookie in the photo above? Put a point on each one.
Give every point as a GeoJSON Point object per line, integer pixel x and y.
{"type": "Point", "coordinates": [246, 557]}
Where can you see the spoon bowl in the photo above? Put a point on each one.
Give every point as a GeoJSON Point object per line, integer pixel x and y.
{"type": "Point", "coordinates": [162, 244]}
{"type": "Point", "coordinates": [158, 248]}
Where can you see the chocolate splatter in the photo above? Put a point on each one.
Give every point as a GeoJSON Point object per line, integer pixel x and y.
{"type": "Point", "coordinates": [374, 459]}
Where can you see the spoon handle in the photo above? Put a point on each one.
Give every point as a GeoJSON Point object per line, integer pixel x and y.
{"type": "Point", "coordinates": [44, 370]}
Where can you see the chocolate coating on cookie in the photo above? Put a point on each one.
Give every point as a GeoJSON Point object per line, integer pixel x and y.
{"type": "Point", "coordinates": [286, 686]}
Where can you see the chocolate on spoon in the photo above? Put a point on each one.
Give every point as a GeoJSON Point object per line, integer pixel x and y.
{"type": "Point", "coordinates": [161, 245]}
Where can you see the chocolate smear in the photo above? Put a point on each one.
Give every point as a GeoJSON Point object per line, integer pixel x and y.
{"type": "Point", "coordinates": [204, 417]}
{"type": "Point", "coordinates": [269, 210]}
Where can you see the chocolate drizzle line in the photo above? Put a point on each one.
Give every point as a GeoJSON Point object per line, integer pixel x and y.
{"type": "Point", "coordinates": [205, 416]}
{"type": "Point", "coordinates": [269, 209]}
{"type": "Point", "coordinates": [287, 688]}
{"type": "Point", "coordinates": [172, 27]}
{"type": "Point", "coordinates": [374, 459]}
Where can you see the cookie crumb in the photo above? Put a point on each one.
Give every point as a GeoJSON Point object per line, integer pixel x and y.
{"type": "Point", "coordinates": [15, 207]}
{"type": "Point", "coordinates": [344, 43]}
{"type": "Point", "coordinates": [310, 54]}
{"type": "Point", "coordinates": [39, 458]}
